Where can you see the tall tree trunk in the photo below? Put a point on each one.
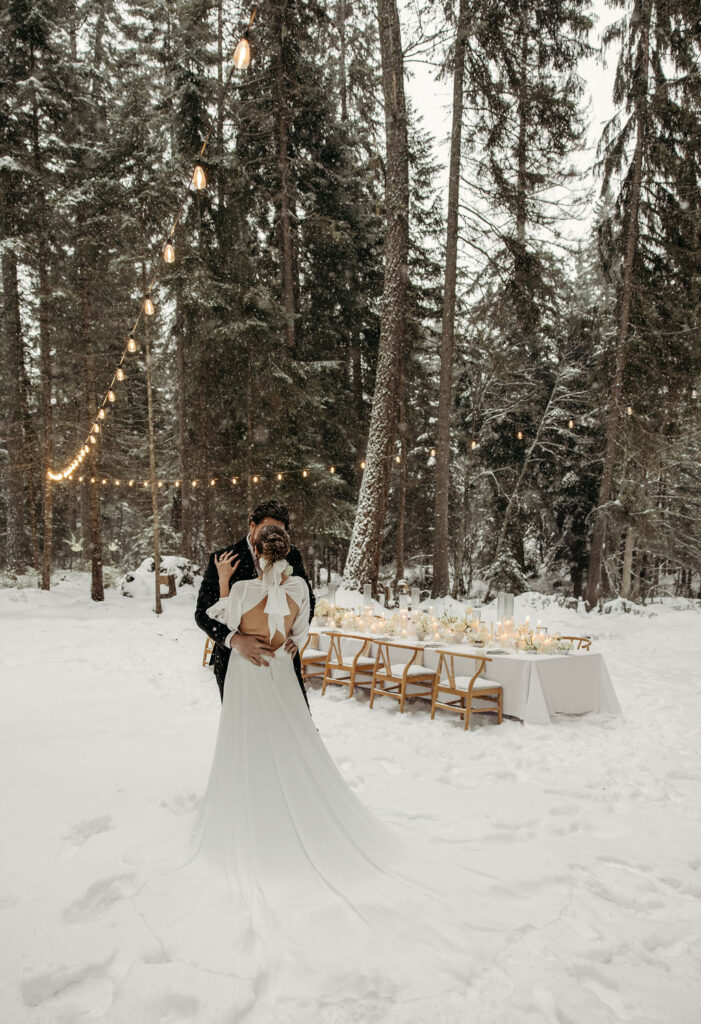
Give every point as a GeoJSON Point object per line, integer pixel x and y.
{"type": "Point", "coordinates": [626, 572]}
{"type": "Point", "coordinates": [363, 562]}
{"type": "Point", "coordinates": [341, 13]}
{"type": "Point", "coordinates": [441, 579]}
{"type": "Point", "coordinates": [14, 378]}
{"type": "Point", "coordinates": [158, 608]}
{"type": "Point", "coordinates": [97, 591]}
{"type": "Point", "coordinates": [46, 461]}
{"type": "Point", "coordinates": [181, 331]}
{"type": "Point", "coordinates": [285, 225]}
{"type": "Point", "coordinates": [613, 416]}
{"type": "Point", "coordinates": [401, 497]}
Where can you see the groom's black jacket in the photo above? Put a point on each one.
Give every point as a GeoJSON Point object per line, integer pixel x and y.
{"type": "Point", "coordinates": [209, 594]}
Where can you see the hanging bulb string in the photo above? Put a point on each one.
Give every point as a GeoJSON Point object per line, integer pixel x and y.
{"type": "Point", "coordinates": [83, 449]}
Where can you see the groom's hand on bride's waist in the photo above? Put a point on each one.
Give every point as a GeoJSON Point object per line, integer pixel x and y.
{"type": "Point", "coordinates": [252, 648]}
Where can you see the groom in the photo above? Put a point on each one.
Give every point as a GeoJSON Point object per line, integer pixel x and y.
{"type": "Point", "coordinates": [244, 565]}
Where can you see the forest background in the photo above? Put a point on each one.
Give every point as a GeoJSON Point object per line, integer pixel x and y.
{"type": "Point", "coordinates": [469, 363]}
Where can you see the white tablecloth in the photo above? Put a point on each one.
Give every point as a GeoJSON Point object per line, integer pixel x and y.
{"type": "Point", "coordinates": [536, 686]}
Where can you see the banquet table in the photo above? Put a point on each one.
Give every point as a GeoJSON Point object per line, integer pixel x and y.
{"type": "Point", "coordinates": [536, 687]}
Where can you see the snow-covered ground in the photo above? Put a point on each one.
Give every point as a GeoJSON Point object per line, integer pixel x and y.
{"type": "Point", "coordinates": [107, 728]}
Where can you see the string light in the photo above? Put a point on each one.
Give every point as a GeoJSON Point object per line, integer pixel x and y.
{"type": "Point", "coordinates": [177, 483]}
{"type": "Point", "coordinates": [255, 479]}
{"type": "Point", "coordinates": [80, 479]}
{"type": "Point", "coordinates": [433, 453]}
{"type": "Point", "coordinates": [131, 483]}
{"type": "Point", "coordinates": [332, 469]}
{"type": "Point", "coordinates": [104, 481]}
{"type": "Point", "coordinates": [397, 458]}
{"type": "Point", "coordinates": [693, 393]}
{"type": "Point", "coordinates": [111, 397]}
{"type": "Point", "coordinates": [101, 414]}
{"type": "Point", "coordinates": [212, 483]}
{"type": "Point", "coordinates": [96, 428]}
{"type": "Point", "coordinates": [242, 53]}
{"type": "Point", "coordinates": [279, 476]}
{"type": "Point", "coordinates": [199, 178]}
{"type": "Point", "coordinates": [362, 464]}
{"type": "Point", "coordinates": [473, 445]}
{"type": "Point", "coordinates": [131, 344]}
{"type": "Point", "coordinates": [629, 410]}
{"type": "Point", "coordinates": [240, 61]}
{"type": "Point", "coordinates": [117, 483]}
{"type": "Point", "coordinates": [570, 424]}
{"type": "Point", "coordinates": [305, 473]}
{"type": "Point", "coordinates": [520, 435]}
{"type": "Point", "coordinates": [234, 480]}
{"type": "Point", "coordinates": [194, 483]}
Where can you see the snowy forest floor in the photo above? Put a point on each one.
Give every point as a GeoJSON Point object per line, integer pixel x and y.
{"type": "Point", "coordinates": [107, 731]}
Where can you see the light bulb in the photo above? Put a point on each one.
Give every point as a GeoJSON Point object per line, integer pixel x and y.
{"type": "Point", "coordinates": [362, 464]}
{"type": "Point", "coordinates": [693, 393]}
{"type": "Point", "coordinates": [101, 414]}
{"type": "Point", "coordinates": [242, 53]}
{"type": "Point", "coordinates": [234, 480]}
{"type": "Point", "coordinates": [80, 479]}
{"type": "Point", "coordinates": [570, 424]}
{"type": "Point", "coordinates": [104, 481]}
{"type": "Point", "coordinates": [169, 252]}
{"type": "Point", "coordinates": [305, 472]}
{"type": "Point", "coordinates": [116, 483]}
{"type": "Point", "coordinates": [629, 410]}
{"type": "Point", "coordinates": [131, 344]}
{"type": "Point", "coordinates": [194, 483]}
{"type": "Point", "coordinates": [145, 483]}
{"type": "Point", "coordinates": [131, 483]}
{"type": "Point", "coordinates": [111, 397]}
{"type": "Point", "coordinates": [279, 476]}
{"type": "Point", "coordinates": [397, 458]}
{"type": "Point", "coordinates": [433, 453]}
{"type": "Point", "coordinates": [473, 445]}
{"type": "Point", "coordinates": [96, 428]}
{"type": "Point", "coordinates": [92, 479]}
{"type": "Point", "coordinates": [160, 483]}
{"type": "Point", "coordinates": [332, 469]}
{"type": "Point", "coordinates": [149, 310]}
{"type": "Point", "coordinates": [212, 483]}
{"type": "Point", "coordinates": [93, 439]}
{"type": "Point", "coordinates": [177, 483]}
{"type": "Point", "coordinates": [520, 435]}
{"type": "Point", "coordinates": [255, 479]}
{"type": "Point", "coordinates": [119, 373]}
{"type": "Point", "coordinates": [199, 178]}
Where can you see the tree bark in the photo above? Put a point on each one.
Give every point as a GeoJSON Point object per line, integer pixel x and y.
{"type": "Point", "coordinates": [285, 225]}
{"type": "Point", "coordinates": [158, 607]}
{"type": "Point", "coordinates": [626, 572]}
{"type": "Point", "coordinates": [441, 576]}
{"type": "Point", "coordinates": [14, 377]}
{"type": "Point", "coordinates": [613, 416]}
{"type": "Point", "coordinates": [97, 591]}
{"type": "Point", "coordinates": [181, 325]}
{"type": "Point", "coordinates": [363, 562]}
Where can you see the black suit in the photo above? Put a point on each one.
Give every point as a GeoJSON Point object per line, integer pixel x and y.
{"type": "Point", "coordinates": [209, 594]}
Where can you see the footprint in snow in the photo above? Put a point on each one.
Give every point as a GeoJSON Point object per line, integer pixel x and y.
{"type": "Point", "coordinates": [41, 987]}
{"type": "Point", "coordinates": [84, 830]}
{"type": "Point", "coordinates": [99, 898]}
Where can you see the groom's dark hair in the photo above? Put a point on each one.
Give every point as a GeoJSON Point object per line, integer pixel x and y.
{"type": "Point", "coordinates": [272, 509]}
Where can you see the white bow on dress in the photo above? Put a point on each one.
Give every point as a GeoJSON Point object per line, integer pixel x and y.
{"type": "Point", "coordinates": [276, 607]}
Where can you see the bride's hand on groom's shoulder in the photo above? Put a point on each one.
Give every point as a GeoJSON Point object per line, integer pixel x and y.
{"type": "Point", "coordinates": [226, 567]}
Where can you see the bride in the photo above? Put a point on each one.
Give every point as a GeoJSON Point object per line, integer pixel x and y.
{"type": "Point", "coordinates": [291, 882]}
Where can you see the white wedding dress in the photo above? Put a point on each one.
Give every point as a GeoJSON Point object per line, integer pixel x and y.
{"type": "Point", "coordinates": [290, 883]}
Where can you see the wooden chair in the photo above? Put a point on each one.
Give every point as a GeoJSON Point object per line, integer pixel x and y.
{"type": "Point", "coordinates": [464, 689]}
{"type": "Point", "coordinates": [583, 642]}
{"type": "Point", "coordinates": [312, 658]}
{"type": "Point", "coordinates": [356, 668]}
{"type": "Point", "coordinates": [390, 679]}
{"type": "Point", "coordinates": [208, 650]}
{"type": "Point", "coordinates": [167, 581]}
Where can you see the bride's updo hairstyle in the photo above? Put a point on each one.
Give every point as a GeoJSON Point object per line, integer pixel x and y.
{"type": "Point", "coordinates": [272, 542]}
